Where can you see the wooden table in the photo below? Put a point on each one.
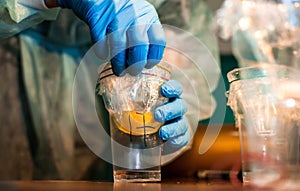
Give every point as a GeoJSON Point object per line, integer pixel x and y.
{"type": "Point", "coordinates": [108, 186]}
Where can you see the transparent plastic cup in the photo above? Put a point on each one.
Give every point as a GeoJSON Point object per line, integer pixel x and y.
{"type": "Point", "coordinates": [131, 100]}
{"type": "Point", "coordinates": [266, 105]}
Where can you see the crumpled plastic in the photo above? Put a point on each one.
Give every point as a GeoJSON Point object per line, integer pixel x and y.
{"type": "Point", "coordinates": [16, 17]}
{"type": "Point", "coordinates": [127, 95]}
{"type": "Point", "coordinates": [133, 93]}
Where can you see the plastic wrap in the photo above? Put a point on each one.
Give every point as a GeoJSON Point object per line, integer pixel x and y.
{"type": "Point", "coordinates": [131, 100]}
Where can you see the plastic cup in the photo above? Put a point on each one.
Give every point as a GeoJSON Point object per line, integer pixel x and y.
{"type": "Point", "coordinates": [131, 100]}
{"type": "Point", "coordinates": [267, 115]}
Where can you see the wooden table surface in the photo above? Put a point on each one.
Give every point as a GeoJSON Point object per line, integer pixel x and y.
{"type": "Point", "coordinates": [108, 186]}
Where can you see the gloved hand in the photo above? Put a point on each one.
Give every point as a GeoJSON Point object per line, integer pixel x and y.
{"type": "Point", "coordinates": [172, 113]}
{"type": "Point", "coordinates": [130, 30]}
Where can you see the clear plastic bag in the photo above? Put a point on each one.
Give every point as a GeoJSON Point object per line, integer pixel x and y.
{"type": "Point", "coordinates": [131, 100]}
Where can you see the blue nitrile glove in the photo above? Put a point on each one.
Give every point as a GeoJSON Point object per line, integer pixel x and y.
{"type": "Point", "coordinates": [130, 30]}
{"type": "Point", "coordinates": [172, 113]}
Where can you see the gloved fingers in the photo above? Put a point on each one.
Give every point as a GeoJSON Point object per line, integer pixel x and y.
{"type": "Point", "coordinates": [181, 140]}
{"type": "Point", "coordinates": [118, 60]}
{"type": "Point", "coordinates": [138, 44]}
{"type": "Point", "coordinates": [136, 59]}
{"type": "Point", "coordinates": [157, 44]}
{"type": "Point", "coordinates": [155, 55]}
{"type": "Point", "coordinates": [118, 43]}
{"type": "Point", "coordinates": [171, 89]}
{"type": "Point", "coordinates": [117, 47]}
{"type": "Point", "coordinates": [175, 128]}
{"type": "Point", "coordinates": [170, 110]}
{"type": "Point", "coordinates": [101, 46]}
{"type": "Point", "coordinates": [138, 36]}
{"type": "Point", "coordinates": [175, 143]}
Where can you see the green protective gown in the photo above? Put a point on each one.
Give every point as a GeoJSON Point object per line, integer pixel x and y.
{"type": "Point", "coordinates": [40, 90]}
